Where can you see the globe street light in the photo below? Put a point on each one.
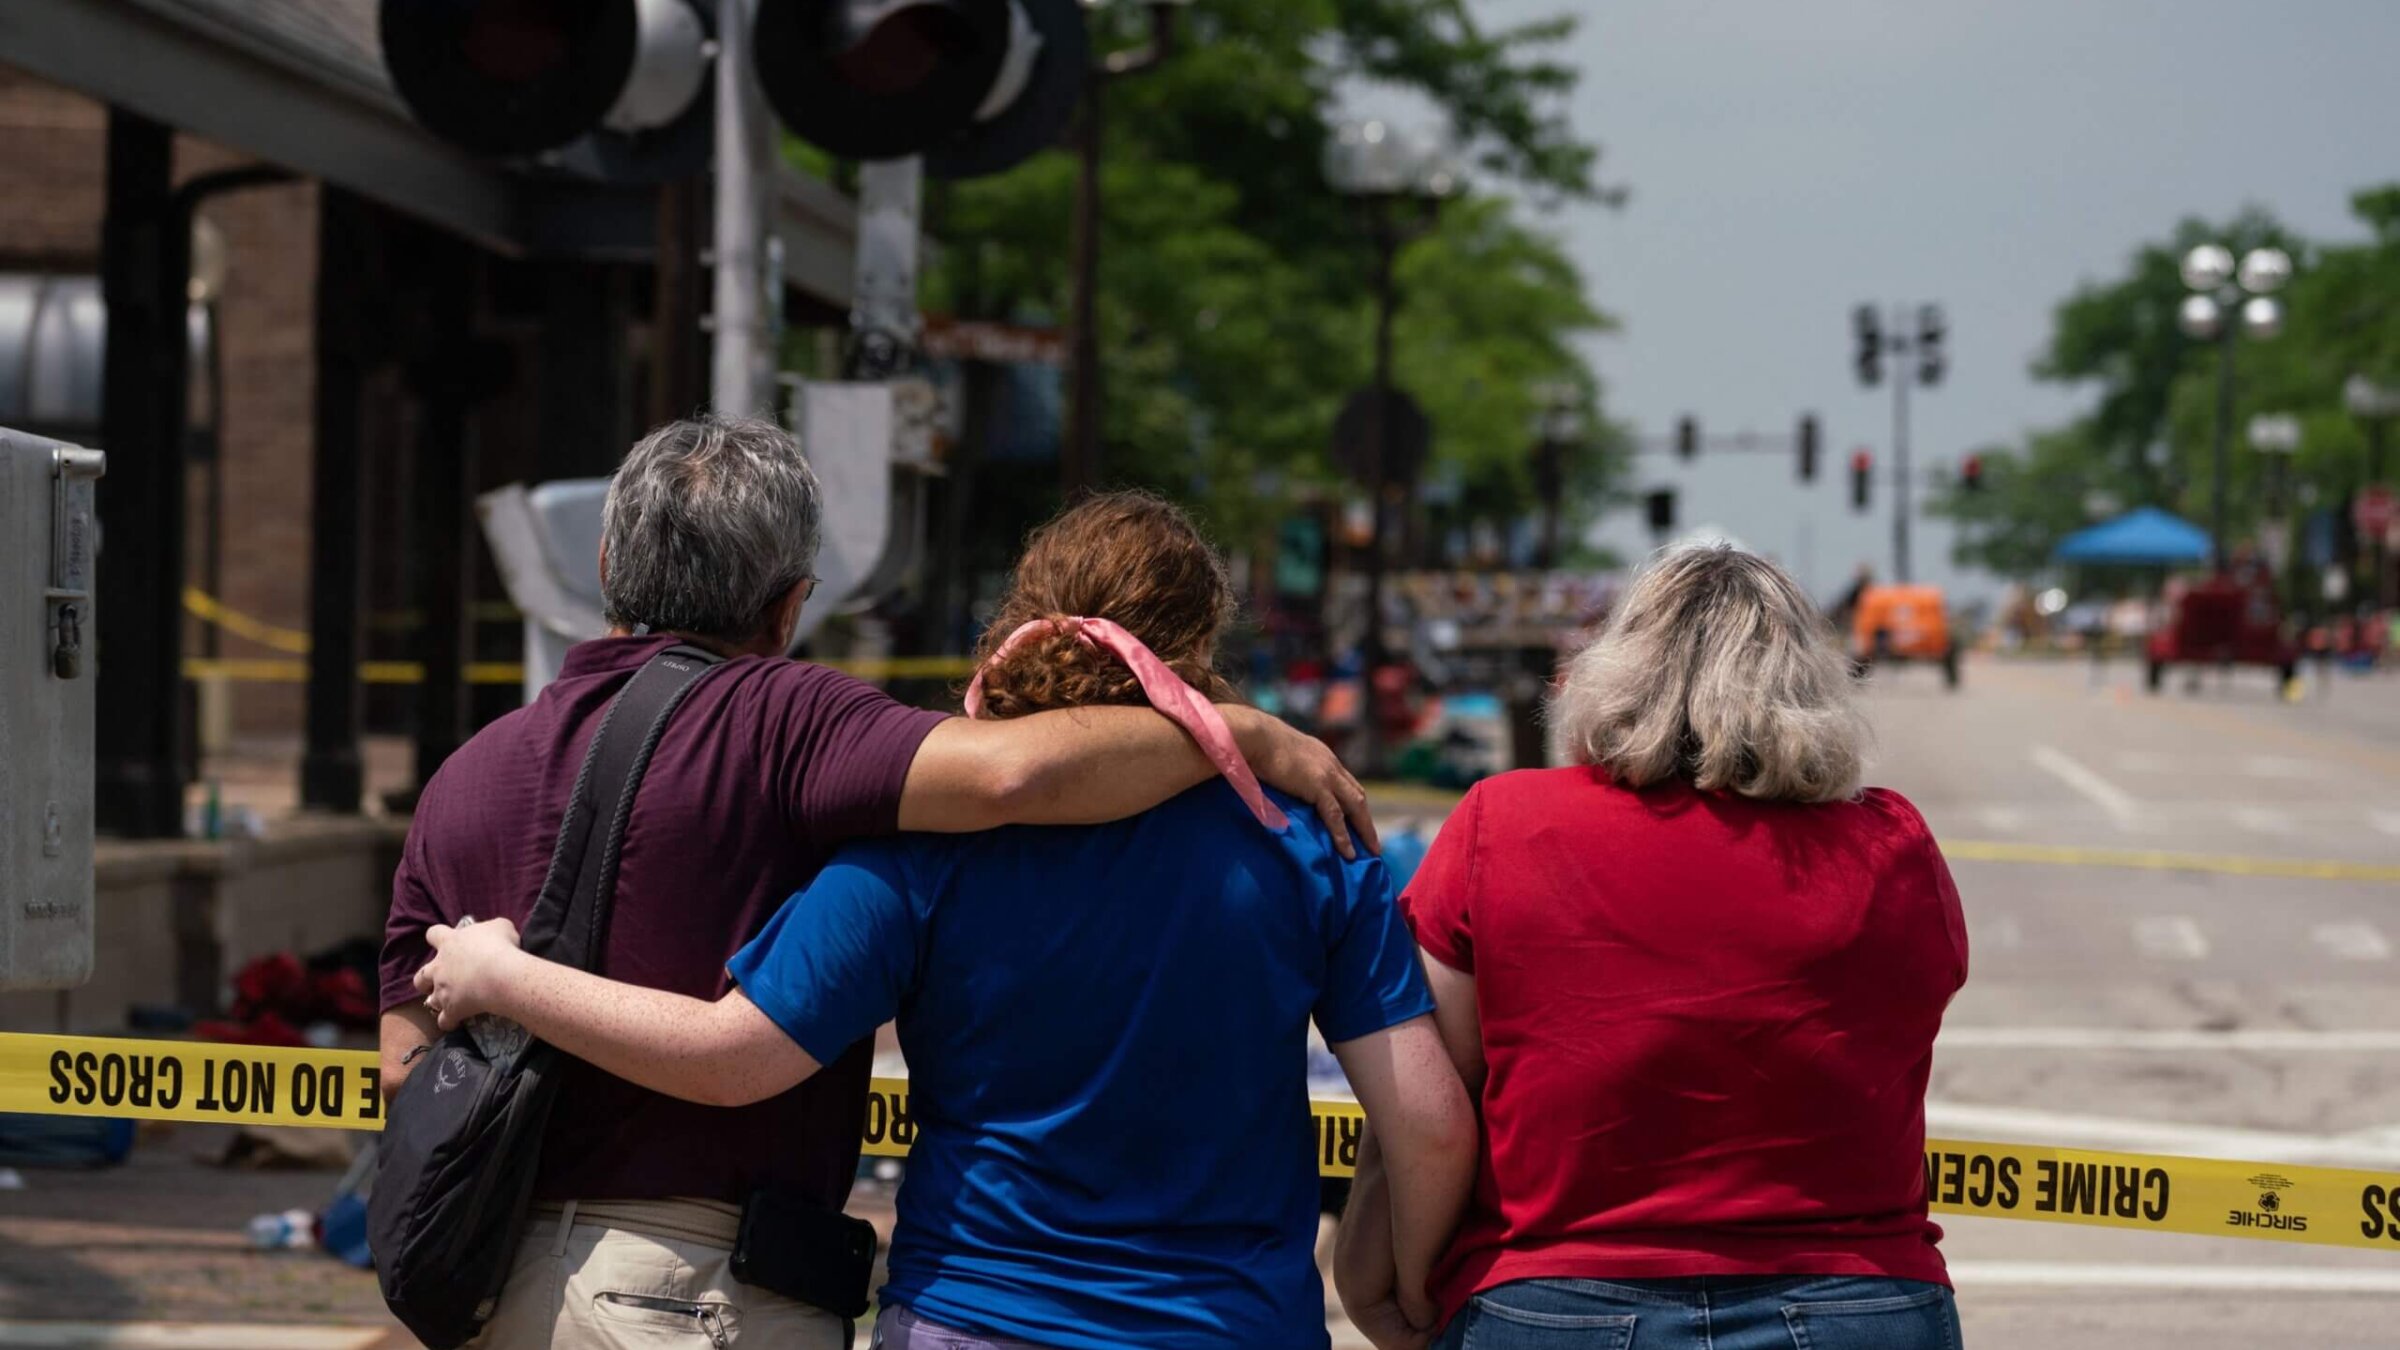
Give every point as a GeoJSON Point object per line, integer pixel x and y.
{"type": "Point", "coordinates": [2228, 299]}
{"type": "Point", "coordinates": [1399, 182]}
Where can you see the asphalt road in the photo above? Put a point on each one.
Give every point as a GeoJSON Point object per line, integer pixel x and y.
{"type": "Point", "coordinates": [2185, 918]}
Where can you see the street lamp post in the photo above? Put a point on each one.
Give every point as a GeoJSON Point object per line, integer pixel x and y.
{"type": "Point", "coordinates": [1080, 461]}
{"type": "Point", "coordinates": [2374, 406]}
{"type": "Point", "coordinates": [2226, 301]}
{"type": "Point", "coordinates": [1928, 346]}
{"type": "Point", "coordinates": [1400, 185]}
{"type": "Point", "coordinates": [2276, 437]}
{"type": "Point", "coordinates": [1558, 429]}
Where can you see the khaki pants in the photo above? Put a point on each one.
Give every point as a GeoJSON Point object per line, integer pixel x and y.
{"type": "Point", "coordinates": [639, 1274]}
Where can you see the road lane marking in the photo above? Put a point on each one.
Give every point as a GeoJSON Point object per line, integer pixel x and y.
{"type": "Point", "coordinates": [2281, 766]}
{"type": "Point", "coordinates": [2210, 1278]}
{"type": "Point", "coordinates": [2352, 941]}
{"type": "Point", "coordinates": [2066, 1129]}
{"type": "Point", "coordinates": [2262, 1040]}
{"type": "Point", "coordinates": [2091, 786]}
{"type": "Point", "coordinates": [2263, 820]}
{"type": "Point", "coordinates": [2171, 938]}
{"type": "Point", "coordinates": [2161, 860]}
{"type": "Point", "coordinates": [2003, 932]}
{"type": "Point", "coordinates": [2005, 819]}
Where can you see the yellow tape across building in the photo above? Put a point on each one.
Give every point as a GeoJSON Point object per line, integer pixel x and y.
{"type": "Point", "coordinates": [341, 1089]}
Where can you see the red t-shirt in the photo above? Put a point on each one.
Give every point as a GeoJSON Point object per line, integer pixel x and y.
{"type": "Point", "coordinates": [1708, 1023]}
{"type": "Point", "coordinates": [766, 769]}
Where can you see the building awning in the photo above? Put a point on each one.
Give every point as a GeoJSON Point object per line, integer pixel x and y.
{"type": "Point", "coordinates": [301, 83]}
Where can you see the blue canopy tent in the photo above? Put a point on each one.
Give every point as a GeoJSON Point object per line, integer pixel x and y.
{"type": "Point", "coordinates": [2146, 537]}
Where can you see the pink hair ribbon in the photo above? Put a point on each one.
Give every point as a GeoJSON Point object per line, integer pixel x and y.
{"type": "Point", "coordinates": [1167, 692]}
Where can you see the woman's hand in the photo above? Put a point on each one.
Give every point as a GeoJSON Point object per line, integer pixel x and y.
{"type": "Point", "coordinates": [469, 974]}
{"type": "Point", "coordinates": [1365, 1275]}
{"type": "Point", "coordinates": [1300, 764]}
{"type": "Point", "coordinates": [1387, 1327]}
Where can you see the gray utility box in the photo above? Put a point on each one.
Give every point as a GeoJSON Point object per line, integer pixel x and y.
{"type": "Point", "coordinates": [48, 534]}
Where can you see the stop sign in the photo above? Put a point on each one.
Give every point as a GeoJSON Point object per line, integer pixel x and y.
{"type": "Point", "coordinates": [2376, 510]}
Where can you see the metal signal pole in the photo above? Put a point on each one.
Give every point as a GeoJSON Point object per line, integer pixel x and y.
{"type": "Point", "coordinates": [1919, 357]}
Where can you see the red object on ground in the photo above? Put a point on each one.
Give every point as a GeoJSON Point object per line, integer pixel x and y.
{"type": "Point", "coordinates": [265, 1029]}
{"type": "Point", "coordinates": [2232, 618]}
{"type": "Point", "coordinates": [1709, 1024]}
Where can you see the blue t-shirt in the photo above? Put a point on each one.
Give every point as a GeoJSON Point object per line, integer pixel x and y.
{"type": "Point", "coordinates": [1106, 1030]}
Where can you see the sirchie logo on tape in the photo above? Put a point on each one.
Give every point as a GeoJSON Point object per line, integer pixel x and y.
{"type": "Point", "coordinates": [2269, 1214]}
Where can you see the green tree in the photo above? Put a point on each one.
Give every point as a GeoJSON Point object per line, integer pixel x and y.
{"type": "Point", "coordinates": [1234, 305]}
{"type": "Point", "coordinates": [2150, 437]}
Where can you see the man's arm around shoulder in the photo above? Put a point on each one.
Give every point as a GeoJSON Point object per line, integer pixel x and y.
{"type": "Point", "coordinates": [1083, 766]}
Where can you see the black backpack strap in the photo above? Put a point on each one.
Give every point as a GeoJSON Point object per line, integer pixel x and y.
{"type": "Point", "coordinates": [569, 921]}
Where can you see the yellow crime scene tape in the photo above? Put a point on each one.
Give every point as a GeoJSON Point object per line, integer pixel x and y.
{"type": "Point", "coordinates": [211, 1083]}
{"type": "Point", "coordinates": [273, 670]}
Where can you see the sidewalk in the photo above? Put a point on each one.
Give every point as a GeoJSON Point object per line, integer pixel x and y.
{"type": "Point", "coordinates": [153, 1255]}
{"type": "Point", "coordinates": [162, 1239]}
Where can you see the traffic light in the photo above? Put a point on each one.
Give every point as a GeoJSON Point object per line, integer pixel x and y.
{"type": "Point", "coordinates": [1932, 360]}
{"type": "Point", "coordinates": [1687, 436]}
{"type": "Point", "coordinates": [975, 86]}
{"type": "Point", "coordinates": [1661, 505]}
{"type": "Point", "coordinates": [1970, 474]}
{"type": "Point", "coordinates": [1869, 361]}
{"type": "Point", "coordinates": [1808, 448]}
{"type": "Point", "coordinates": [1862, 467]}
{"type": "Point", "coordinates": [514, 78]}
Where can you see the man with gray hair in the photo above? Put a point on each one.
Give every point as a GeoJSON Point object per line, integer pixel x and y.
{"type": "Point", "coordinates": [770, 765]}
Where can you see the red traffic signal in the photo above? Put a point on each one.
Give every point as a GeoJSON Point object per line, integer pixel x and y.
{"type": "Point", "coordinates": [1970, 474]}
{"type": "Point", "coordinates": [1862, 468]}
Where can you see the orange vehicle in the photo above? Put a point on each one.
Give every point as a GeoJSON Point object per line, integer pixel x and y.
{"type": "Point", "coordinates": [1903, 623]}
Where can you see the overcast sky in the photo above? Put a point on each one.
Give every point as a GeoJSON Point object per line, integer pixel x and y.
{"type": "Point", "coordinates": [1789, 161]}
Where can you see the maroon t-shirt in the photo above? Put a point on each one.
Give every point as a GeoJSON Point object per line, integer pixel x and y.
{"type": "Point", "coordinates": [766, 769]}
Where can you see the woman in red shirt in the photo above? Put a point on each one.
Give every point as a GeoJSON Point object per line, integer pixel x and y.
{"type": "Point", "coordinates": [1695, 984]}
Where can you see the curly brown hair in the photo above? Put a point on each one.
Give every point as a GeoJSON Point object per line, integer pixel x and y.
{"type": "Point", "coordinates": [1128, 557]}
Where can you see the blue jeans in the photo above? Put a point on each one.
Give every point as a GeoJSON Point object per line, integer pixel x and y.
{"type": "Point", "coordinates": [1715, 1312]}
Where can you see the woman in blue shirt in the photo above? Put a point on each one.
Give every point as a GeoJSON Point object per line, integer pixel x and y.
{"type": "Point", "coordinates": [1106, 1025]}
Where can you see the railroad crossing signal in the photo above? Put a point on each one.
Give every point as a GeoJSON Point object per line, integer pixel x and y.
{"type": "Point", "coordinates": [975, 86]}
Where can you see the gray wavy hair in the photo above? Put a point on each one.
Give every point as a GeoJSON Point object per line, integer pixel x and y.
{"type": "Point", "coordinates": [709, 522]}
{"type": "Point", "coordinates": [1715, 668]}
